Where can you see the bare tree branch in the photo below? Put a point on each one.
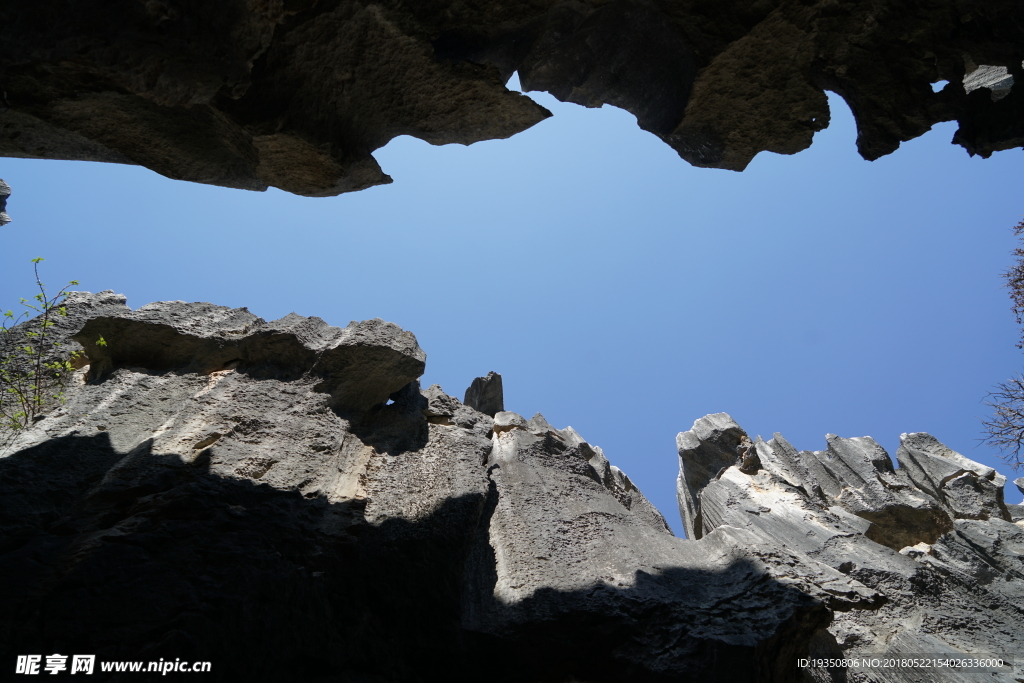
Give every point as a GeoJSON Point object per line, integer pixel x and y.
{"type": "Point", "coordinates": [1005, 429]}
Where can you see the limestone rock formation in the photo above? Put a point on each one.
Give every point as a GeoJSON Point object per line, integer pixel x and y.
{"type": "Point", "coordinates": [486, 394]}
{"type": "Point", "coordinates": [5, 192]}
{"type": "Point", "coordinates": [297, 94]}
{"type": "Point", "coordinates": [283, 500]}
{"type": "Point", "coordinates": [933, 537]}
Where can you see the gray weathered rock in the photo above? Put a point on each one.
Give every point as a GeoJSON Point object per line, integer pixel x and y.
{"type": "Point", "coordinates": [444, 409]}
{"type": "Point", "coordinates": [486, 395]}
{"type": "Point", "coordinates": [996, 79]}
{"type": "Point", "coordinates": [966, 489]}
{"type": "Point", "coordinates": [1016, 512]}
{"type": "Point", "coordinates": [556, 544]}
{"type": "Point", "coordinates": [715, 443]}
{"type": "Point", "coordinates": [5, 192]}
{"type": "Point", "coordinates": [284, 500]}
{"type": "Point", "coordinates": [359, 366]}
{"type": "Point", "coordinates": [505, 421]}
{"type": "Point", "coordinates": [281, 498]}
{"type": "Point", "coordinates": [948, 585]}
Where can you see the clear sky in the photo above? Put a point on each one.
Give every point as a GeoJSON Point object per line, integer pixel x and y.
{"type": "Point", "coordinates": [615, 288]}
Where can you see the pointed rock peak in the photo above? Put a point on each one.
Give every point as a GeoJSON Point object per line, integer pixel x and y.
{"type": "Point", "coordinates": [1019, 483]}
{"type": "Point", "coordinates": [572, 437]}
{"type": "Point", "coordinates": [714, 443]}
{"type": "Point", "coordinates": [921, 451]}
{"type": "Point", "coordinates": [539, 425]}
{"type": "Point", "coordinates": [486, 395]}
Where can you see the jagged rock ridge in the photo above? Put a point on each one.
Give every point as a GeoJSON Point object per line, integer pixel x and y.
{"type": "Point", "coordinates": [284, 500]}
{"type": "Point", "coordinates": [934, 536]}
{"type": "Point", "coordinates": [297, 94]}
{"type": "Point", "coordinates": [205, 495]}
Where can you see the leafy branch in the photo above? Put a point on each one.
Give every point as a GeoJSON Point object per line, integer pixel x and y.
{"type": "Point", "coordinates": [34, 374]}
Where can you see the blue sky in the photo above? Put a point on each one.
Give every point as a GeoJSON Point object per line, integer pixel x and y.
{"type": "Point", "coordinates": [616, 288]}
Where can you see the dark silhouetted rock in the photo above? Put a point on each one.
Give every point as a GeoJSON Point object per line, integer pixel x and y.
{"type": "Point", "coordinates": [485, 395]}
{"type": "Point", "coordinates": [298, 95]}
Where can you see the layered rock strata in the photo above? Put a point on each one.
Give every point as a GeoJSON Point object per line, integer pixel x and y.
{"type": "Point", "coordinates": [934, 537]}
{"type": "Point", "coordinates": [297, 94]}
{"type": "Point", "coordinates": [283, 500]}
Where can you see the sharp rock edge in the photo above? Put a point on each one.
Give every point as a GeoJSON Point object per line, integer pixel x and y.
{"type": "Point", "coordinates": [284, 500]}
{"type": "Point", "coordinates": [298, 94]}
{"type": "Point", "coordinates": [934, 537]}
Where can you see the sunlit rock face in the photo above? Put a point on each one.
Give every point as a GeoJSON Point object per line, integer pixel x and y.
{"type": "Point", "coordinates": [298, 94]}
{"type": "Point", "coordinates": [283, 500]}
{"type": "Point", "coordinates": [934, 536]}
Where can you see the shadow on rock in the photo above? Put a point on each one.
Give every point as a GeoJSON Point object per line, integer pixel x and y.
{"type": "Point", "coordinates": [103, 557]}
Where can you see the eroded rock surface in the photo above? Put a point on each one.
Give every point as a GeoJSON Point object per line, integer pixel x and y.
{"type": "Point", "coordinates": [298, 94]}
{"type": "Point", "coordinates": [486, 395]}
{"type": "Point", "coordinates": [933, 537]}
{"type": "Point", "coordinates": [5, 192]}
{"type": "Point", "coordinates": [282, 499]}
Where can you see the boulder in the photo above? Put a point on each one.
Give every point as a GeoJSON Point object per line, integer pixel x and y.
{"type": "Point", "coordinates": [505, 421]}
{"type": "Point", "coordinates": [359, 366]}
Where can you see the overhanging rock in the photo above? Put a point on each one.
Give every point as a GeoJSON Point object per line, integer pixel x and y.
{"type": "Point", "coordinates": [297, 95]}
